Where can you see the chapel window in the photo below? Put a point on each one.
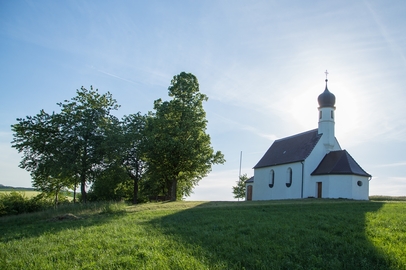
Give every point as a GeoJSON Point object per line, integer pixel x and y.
{"type": "Point", "coordinates": [289, 177]}
{"type": "Point", "coordinates": [332, 114]}
{"type": "Point", "coordinates": [320, 114]}
{"type": "Point", "coordinates": [271, 178]}
{"type": "Point", "coordinates": [359, 183]}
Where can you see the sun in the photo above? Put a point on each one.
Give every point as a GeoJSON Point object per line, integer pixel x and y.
{"type": "Point", "coordinates": [303, 109]}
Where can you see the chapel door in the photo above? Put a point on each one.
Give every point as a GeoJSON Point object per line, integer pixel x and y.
{"type": "Point", "coordinates": [249, 193]}
{"type": "Point", "coordinates": [319, 189]}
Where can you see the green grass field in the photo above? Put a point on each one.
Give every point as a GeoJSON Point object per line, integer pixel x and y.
{"type": "Point", "coordinates": [293, 234]}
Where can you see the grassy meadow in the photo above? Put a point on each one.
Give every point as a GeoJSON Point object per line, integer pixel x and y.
{"type": "Point", "coordinates": [292, 234]}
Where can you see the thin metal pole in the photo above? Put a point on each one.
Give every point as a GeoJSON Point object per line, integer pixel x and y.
{"type": "Point", "coordinates": [239, 175]}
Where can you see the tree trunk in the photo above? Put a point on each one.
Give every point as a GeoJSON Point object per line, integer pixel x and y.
{"type": "Point", "coordinates": [168, 190]}
{"type": "Point", "coordinates": [83, 187]}
{"type": "Point", "coordinates": [56, 198]}
{"type": "Point", "coordinates": [74, 194]}
{"type": "Point", "coordinates": [83, 172]}
{"type": "Point", "coordinates": [174, 189]}
{"type": "Point", "coordinates": [135, 196]}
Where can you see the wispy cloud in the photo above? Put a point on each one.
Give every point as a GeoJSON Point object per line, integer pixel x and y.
{"type": "Point", "coordinates": [396, 164]}
{"type": "Point", "coordinates": [233, 124]}
{"type": "Point", "coordinates": [382, 29]}
{"type": "Point", "coordinates": [118, 77]}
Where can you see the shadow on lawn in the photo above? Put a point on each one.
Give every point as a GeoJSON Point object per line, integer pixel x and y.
{"type": "Point", "coordinates": [53, 221]}
{"type": "Point", "coordinates": [304, 234]}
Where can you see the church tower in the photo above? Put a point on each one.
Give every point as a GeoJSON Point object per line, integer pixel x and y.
{"type": "Point", "coordinates": [326, 118]}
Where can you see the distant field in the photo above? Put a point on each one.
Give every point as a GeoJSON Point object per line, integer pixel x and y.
{"type": "Point", "coordinates": [291, 234]}
{"type": "Point", "coordinates": [387, 198]}
{"type": "Point", "coordinates": [28, 194]}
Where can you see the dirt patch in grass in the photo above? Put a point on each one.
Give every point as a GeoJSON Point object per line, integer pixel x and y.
{"type": "Point", "coordinates": [65, 217]}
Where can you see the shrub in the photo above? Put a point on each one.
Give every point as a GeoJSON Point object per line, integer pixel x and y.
{"type": "Point", "coordinates": [15, 203]}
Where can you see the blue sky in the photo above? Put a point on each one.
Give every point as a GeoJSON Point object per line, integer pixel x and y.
{"type": "Point", "coordinates": [261, 63]}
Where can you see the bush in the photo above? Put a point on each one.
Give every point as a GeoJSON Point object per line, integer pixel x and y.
{"type": "Point", "coordinates": [3, 209]}
{"type": "Point", "coordinates": [15, 203]}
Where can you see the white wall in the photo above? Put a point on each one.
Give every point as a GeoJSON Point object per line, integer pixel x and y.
{"type": "Point", "coordinates": [342, 186]}
{"type": "Point", "coordinates": [360, 192]}
{"type": "Point", "coordinates": [326, 127]}
{"type": "Point", "coordinates": [311, 163]}
{"type": "Point", "coordinates": [262, 191]}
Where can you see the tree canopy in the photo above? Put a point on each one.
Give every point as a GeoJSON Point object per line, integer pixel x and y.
{"type": "Point", "coordinates": [131, 151]}
{"type": "Point", "coordinates": [178, 150]}
{"type": "Point", "coordinates": [71, 144]}
{"type": "Point", "coordinates": [165, 153]}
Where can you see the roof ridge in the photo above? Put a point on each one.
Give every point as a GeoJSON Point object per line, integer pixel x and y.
{"type": "Point", "coordinates": [295, 135]}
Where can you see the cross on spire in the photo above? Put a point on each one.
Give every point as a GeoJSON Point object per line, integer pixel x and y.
{"type": "Point", "coordinates": [326, 74]}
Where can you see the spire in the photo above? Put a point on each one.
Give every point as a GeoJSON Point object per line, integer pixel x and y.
{"type": "Point", "coordinates": [326, 99]}
{"type": "Point", "coordinates": [326, 118]}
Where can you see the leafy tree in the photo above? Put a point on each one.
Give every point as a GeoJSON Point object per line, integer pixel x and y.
{"type": "Point", "coordinates": [69, 145]}
{"type": "Point", "coordinates": [86, 120]}
{"type": "Point", "coordinates": [39, 140]}
{"type": "Point", "coordinates": [131, 150]}
{"type": "Point", "coordinates": [111, 184]}
{"type": "Point", "coordinates": [239, 189]}
{"type": "Point", "coordinates": [178, 150]}
{"type": "Point", "coordinates": [125, 140]}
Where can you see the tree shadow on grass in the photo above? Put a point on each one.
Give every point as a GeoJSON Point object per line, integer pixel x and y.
{"type": "Point", "coordinates": [303, 234]}
{"type": "Point", "coordinates": [53, 221]}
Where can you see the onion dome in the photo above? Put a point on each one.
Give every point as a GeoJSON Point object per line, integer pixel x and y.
{"type": "Point", "coordinates": [326, 99]}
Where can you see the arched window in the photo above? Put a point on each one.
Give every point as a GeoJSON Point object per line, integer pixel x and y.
{"type": "Point", "coordinates": [320, 114]}
{"type": "Point", "coordinates": [289, 177]}
{"type": "Point", "coordinates": [332, 114]}
{"type": "Point", "coordinates": [271, 178]}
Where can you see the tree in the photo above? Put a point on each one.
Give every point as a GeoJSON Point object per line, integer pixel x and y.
{"type": "Point", "coordinates": [131, 151]}
{"type": "Point", "coordinates": [113, 183]}
{"type": "Point", "coordinates": [38, 138]}
{"type": "Point", "coordinates": [86, 120]}
{"type": "Point", "coordinates": [239, 189]}
{"type": "Point", "coordinates": [70, 145]}
{"type": "Point", "coordinates": [178, 150]}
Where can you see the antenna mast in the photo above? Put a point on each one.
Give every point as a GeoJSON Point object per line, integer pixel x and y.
{"type": "Point", "coordinates": [239, 175]}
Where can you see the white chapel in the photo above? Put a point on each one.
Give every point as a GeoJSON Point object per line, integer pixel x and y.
{"type": "Point", "coordinates": [309, 164]}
